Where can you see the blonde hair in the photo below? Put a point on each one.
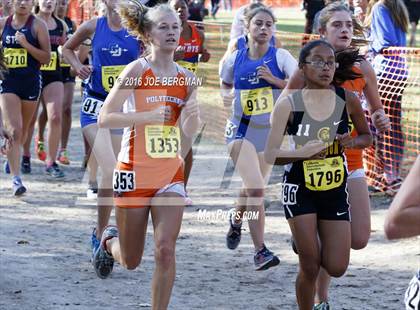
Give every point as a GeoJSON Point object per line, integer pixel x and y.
{"type": "Point", "coordinates": [358, 30]}
{"type": "Point", "coordinates": [397, 9]}
{"type": "Point", "coordinates": [139, 19]}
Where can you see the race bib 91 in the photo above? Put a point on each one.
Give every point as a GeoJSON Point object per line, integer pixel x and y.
{"type": "Point", "coordinates": [110, 75]}
{"type": "Point", "coordinates": [16, 57]}
{"type": "Point", "coordinates": [257, 101]}
{"type": "Point", "coordinates": [124, 181]}
{"type": "Point", "coordinates": [162, 141]}
{"type": "Point", "coordinates": [191, 66]}
{"type": "Point", "coordinates": [323, 174]}
{"type": "Point", "coordinates": [92, 106]}
{"type": "Point", "coordinates": [52, 65]}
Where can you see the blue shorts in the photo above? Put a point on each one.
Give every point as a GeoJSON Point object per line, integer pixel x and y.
{"type": "Point", "coordinates": [255, 133]}
{"type": "Point", "coordinates": [89, 110]}
{"type": "Point", "coordinates": [91, 106]}
{"type": "Point", "coordinates": [25, 87]}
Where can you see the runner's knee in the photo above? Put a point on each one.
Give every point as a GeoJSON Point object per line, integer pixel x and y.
{"type": "Point", "coordinates": [164, 254]}
{"type": "Point", "coordinates": [309, 266]}
{"type": "Point", "coordinates": [360, 242]}
{"type": "Point", "coordinates": [16, 131]}
{"type": "Point", "coordinates": [130, 262]}
{"type": "Point", "coordinates": [55, 119]}
{"type": "Point", "coordinates": [336, 269]}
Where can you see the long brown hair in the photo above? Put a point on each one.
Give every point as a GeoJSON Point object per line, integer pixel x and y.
{"type": "Point", "coordinates": [397, 9]}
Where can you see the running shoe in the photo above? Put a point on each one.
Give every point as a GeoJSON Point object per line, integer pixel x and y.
{"type": "Point", "coordinates": [17, 186]}
{"type": "Point", "coordinates": [92, 191]}
{"type": "Point", "coordinates": [25, 165]}
{"type": "Point", "coordinates": [103, 262]}
{"type": "Point", "coordinates": [322, 306]}
{"type": "Point", "coordinates": [63, 157]}
{"type": "Point", "coordinates": [94, 242]}
{"type": "Point", "coordinates": [233, 236]}
{"type": "Point", "coordinates": [54, 171]}
{"type": "Point", "coordinates": [40, 150]}
{"type": "Point", "coordinates": [6, 167]}
{"type": "Point", "coordinates": [265, 259]}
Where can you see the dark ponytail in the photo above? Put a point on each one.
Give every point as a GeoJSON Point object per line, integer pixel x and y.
{"type": "Point", "coordinates": [346, 60]}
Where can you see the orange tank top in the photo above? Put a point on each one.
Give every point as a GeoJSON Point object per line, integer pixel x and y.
{"type": "Point", "coordinates": [355, 156]}
{"type": "Point", "coordinates": [152, 149]}
{"type": "Point", "coordinates": [191, 47]}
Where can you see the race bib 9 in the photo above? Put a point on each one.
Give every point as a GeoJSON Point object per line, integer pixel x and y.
{"type": "Point", "coordinates": [162, 141]}
{"type": "Point", "coordinates": [288, 194]}
{"type": "Point", "coordinates": [52, 65]}
{"type": "Point", "coordinates": [323, 174]}
{"type": "Point", "coordinates": [16, 57]}
{"type": "Point", "coordinates": [257, 101]}
{"type": "Point", "coordinates": [191, 66]}
{"type": "Point", "coordinates": [110, 75]}
{"type": "Point", "coordinates": [92, 106]}
{"type": "Point", "coordinates": [124, 181]}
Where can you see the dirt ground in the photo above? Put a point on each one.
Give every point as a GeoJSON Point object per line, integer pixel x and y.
{"type": "Point", "coordinates": [45, 252]}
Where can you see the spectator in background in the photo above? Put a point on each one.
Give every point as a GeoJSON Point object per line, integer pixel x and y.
{"type": "Point", "coordinates": [413, 7]}
{"type": "Point", "coordinates": [360, 8]}
{"type": "Point", "coordinates": [388, 22]}
{"type": "Point", "coordinates": [312, 7]}
{"type": "Point", "coordinates": [315, 23]}
{"type": "Point", "coordinates": [238, 24]}
{"type": "Point", "coordinates": [402, 221]}
{"type": "Point", "coordinates": [6, 8]}
{"type": "Point", "coordinates": [215, 5]}
{"type": "Point", "coordinates": [227, 5]}
{"type": "Point", "coordinates": [197, 10]}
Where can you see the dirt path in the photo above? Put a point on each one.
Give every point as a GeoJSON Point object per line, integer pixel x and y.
{"type": "Point", "coordinates": [44, 251]}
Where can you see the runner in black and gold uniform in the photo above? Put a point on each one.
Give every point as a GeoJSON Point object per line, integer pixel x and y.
{"type": "Point", "coordinates": [314, 192]}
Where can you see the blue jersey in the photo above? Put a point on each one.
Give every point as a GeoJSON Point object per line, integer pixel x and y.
{"type": "Point", "coordinates": [255, 97]}
{"type": "Point", "coordinates": [111, 52]}
{"type": "Point", "coordinates": [242, 42]}
{"type": "Point", "coordinates": [19, 61]}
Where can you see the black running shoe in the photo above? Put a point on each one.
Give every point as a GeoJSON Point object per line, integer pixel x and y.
{"type": "Point", "coordinates": [25, 165]}
{"type": "Point", "coordinates": [233, 236]}
{"type": "Point", "coordinates": [265, 259]}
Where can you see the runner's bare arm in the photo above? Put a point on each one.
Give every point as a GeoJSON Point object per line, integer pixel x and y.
{"type": "Point", "coordinates": [355, 110]}
{"type": "Point", "coordinates": [42, 54]}
{"type": "Point", "coordinates": [84, 32]}
{"type": "Point", "coordinates": [274, 154]}
{"type": "Point", "coordinates": [2, 23]}
{"type": "Point", "coordinates": [190, 115]}
{"type": "Point", "coordinates": [204, 54]}
{"type": "Point", "coordinates": [226, 93]}
{"type": "Point", "coordinates": [379, 118]}
{"type": "Point", "coordinates": [403, 218]}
